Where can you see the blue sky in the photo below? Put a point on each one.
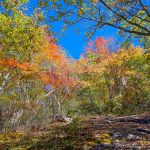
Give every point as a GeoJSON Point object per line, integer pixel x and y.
{"type": "Point", "coordinates": [71, 41]}
{"type": "Point", "coordinates": [75, 43]}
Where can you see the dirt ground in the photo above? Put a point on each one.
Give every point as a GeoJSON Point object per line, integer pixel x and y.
{"type": "Point", "coordinates": [90, 133]}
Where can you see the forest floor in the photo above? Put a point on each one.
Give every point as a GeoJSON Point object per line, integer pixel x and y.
{"type": "Point", "coordinates": [91, 133]}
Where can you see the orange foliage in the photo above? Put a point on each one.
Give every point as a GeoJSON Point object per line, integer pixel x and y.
{"type": "Point", "coordinates": [51, 55]}
{"type": "Point", "coordinates": [59, 73]}
{"type": "Point", "coordinates": [53, 52]}
{"type": "Point", "coordinates": [9, 63]}
{"type": "Point", "coordinates": [59, 76]}
{"type": "Point", "coordinates": [25, 66]}
{"type": "Point", "coordinates": [12, 63]}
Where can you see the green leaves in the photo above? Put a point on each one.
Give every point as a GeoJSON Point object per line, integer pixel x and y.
{"type": "Point", "coordinates": [24, 1]}
{"type": "Point", "coordinates": [127, 16]}
{"type": "Point", "coordinates": [120, 78]}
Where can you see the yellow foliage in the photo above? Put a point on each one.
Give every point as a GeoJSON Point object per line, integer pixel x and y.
{"type": "Point", "coordinates": [103, 138]}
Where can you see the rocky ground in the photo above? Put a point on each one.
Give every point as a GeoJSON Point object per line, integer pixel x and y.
{"type": "Point", "coordinates": [92, 133]}
{"type": "Point", "coordinates": [124, 132]}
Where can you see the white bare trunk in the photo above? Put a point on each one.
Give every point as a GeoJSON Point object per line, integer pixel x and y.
{"type": "Point", "coordinates": [4, 82]}
{"type": "Point", "coordinates": [58, 103]}
{"type": "Point", "coordinates": [16, 116]}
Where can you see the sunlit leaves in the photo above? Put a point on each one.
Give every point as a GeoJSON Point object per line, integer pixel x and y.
{"type": "Point", "coordinates": [24, 1]}
{"type": "Point", "coordinates": [115, 76]}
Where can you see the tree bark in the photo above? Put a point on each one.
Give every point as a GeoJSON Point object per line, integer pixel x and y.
{"type": "Point", "coordinates": [1, 120]}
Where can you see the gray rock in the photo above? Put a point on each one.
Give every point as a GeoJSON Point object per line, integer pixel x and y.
{"type": "Point", "coordinates": [61, 118]}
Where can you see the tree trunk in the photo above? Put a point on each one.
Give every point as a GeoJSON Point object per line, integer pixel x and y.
{"type": "Point", "coordinates": [58, 103]}
{"type": "Point", "coordinates": [1, 120]}
{"type": "Point", "coordinates": [110, 91]}
{"type": "Point", "coordinates": [53, 110]}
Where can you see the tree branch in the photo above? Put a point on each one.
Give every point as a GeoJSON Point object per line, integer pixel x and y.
{"type": "Point", "coordinates": [129, 31]}
{"type": "Point", "coordinates": [140, 2]}
{"type": "Point", "coordinates": [122, 17]}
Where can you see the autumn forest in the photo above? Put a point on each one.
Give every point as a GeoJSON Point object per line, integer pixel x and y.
{"type": "Point", "coordinates": [50, 100]}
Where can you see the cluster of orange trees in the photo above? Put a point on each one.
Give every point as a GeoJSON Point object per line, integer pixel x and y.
{"type": "Point", "coordinates": [38, 80]}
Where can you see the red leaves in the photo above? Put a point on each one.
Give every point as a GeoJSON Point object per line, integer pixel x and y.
{"type": "Point", "coordinates": [89, 49]}
{"type": "Point", "coordinates": [99, 48]}
{"type": "Point", "coordinates": [9, 63]}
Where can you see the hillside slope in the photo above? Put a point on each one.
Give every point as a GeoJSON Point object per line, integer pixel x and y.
{"type": "Point", "coordinates": [92, 133]}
